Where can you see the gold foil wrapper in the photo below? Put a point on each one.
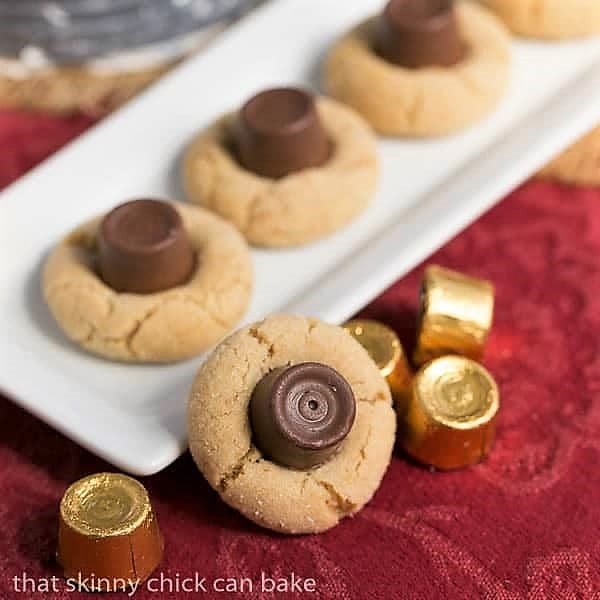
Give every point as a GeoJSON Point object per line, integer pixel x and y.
{"type": "Point", "coordinates": [455, 315]}
{"type": "Point", "coordinates": [108, 535]}
{"type": "Point", "coordinates": [385, 349]}
{"type": "Point", "coordinates": [451, 414]}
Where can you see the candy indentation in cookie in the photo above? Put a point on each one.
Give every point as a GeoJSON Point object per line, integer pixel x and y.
{"type": "Point", "coordinates": [279, 132]}
{"type": "Point", "coordinates": [419, 33]}
{"type": "Point", "coordinates": [143, 248]}
{"type": "Point", "coordinates": [301, 414]}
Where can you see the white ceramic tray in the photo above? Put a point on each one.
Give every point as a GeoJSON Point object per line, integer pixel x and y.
{"type": "Point", "coordinates": [133, 416]}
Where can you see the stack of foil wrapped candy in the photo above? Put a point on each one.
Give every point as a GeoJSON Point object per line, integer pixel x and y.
{"type": "Point", "coordinates": [447, 409]}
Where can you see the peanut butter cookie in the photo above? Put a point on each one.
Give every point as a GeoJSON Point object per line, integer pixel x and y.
{"type": "Point", "coordinates": [222, 442]}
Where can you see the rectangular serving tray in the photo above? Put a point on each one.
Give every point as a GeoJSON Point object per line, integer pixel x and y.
{"type": "Point", "coordinates": [134, 416]}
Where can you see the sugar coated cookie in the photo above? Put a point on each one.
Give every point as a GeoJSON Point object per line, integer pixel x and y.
{"type": "Point", "coordinates": [165, 310]}
{"type": "Point", "coordinates": [296, 184]}
{"type": "Point", "coordinates": [549, 19]}
{"type": "Point", "coordinates": [303, 363]}
{"type": "Point", "coordinates": [422, 100]}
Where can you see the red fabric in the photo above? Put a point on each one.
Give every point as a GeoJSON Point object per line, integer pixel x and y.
{"type": "Point", "coordinates": [523, 525]}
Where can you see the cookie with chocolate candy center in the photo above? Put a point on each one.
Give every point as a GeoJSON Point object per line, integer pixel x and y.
{"type": "Point", "coordinates": [422, 68]}
{"type": "Point", "coordinates": [150, 282]}
{"type": "Point", "coordinates": [272, 428]}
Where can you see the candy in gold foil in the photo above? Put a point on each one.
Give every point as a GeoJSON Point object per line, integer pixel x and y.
{"type": "Point", "coordinates": [385, 349]}
{"type": "Point", "coordinates": [455, 315]}
{"type": "Point", "coordinates": [450, 417]}
{"type": "Point", "coordinates": [108, 535]}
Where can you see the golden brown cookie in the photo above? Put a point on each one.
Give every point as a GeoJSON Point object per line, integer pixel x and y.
{"type": "Point", "coordinates": [429, 101]}
{"type": "Point", "coordinates": [220, 436]}
{"type": "Point", "coordinates": [557, 19]}
{"type": "Point", "coordinates": [65, 90]}
{"type": "Point", "coordinates": [580, 164]}
{"type": "Point", "coordinates": [549, 19]}
{"type": "Point", "coordinates": [161, 327]}
{"type": "Point", "coordinates": [295, 209]}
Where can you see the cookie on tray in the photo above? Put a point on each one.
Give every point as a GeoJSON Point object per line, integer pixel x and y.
{"type": "Point", "coordinates": [286, 170]}
{"type": "Point", "coordinates": [149, 282]}
{"type": "Point", "coordinates": [291, 422]}
{"type": "Point", "coordinates": [549, 19]}
{"type": "Point", "coordinates": [422, 68]}
{"type": "Point", "coordinates": [557, 19]}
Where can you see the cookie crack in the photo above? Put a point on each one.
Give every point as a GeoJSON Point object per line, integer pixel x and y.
{"type": "Point", "coordinates": [111, 307]}
{"type": "Point", "coordinates": [66, 286]}
{"type": "Point", "coordinates": [250, 215]}
{"type": "Point", "coordinates": [235, 471]}
{"type": "Point", "coordinates": [472, 84]}
{"type": "Point", "coordinates": [263, 340]}
{"type": "Point", "coordinates": [129, 339]}
{"type": "Point", "coordinates": [377, 397]}
{"type": "Point", "coordinates": [304, 483]}
{"type": "Point", "coordinates": [358, 164]}
{"type": "Point", "coordinates": [93, 332]}
{"type": "Point", "coordinates": [246, 361]}
{"type": "Point", "coordinates": [415, 109]}
{"type": "Point", "coordinates": [343, 505]}
{"type": "Point", "coordinates": [204, 307]}
{"type": "Point", "coordinates": [363, 450]}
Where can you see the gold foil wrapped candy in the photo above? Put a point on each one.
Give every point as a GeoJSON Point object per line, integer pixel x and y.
{"type": "Point", "coordinates": [455, 315]}
{"type": "Point", "coordinates": [385, 349]}
{"type": "Point", "coordinates": [108, 536]}
{"type": "Point", "coordinates": [450, 417]}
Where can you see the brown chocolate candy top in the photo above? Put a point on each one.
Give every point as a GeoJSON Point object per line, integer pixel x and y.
{"type": "Point", "coordinates": [419, 33]}
{"type": "Point", "coordinates": [143, 248]}
{"type": "Point", "coordinates": [301, 414]}
{"type": "Point", "coordinates": [279, 132]}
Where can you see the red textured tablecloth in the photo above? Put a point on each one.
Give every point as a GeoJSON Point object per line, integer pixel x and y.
{"type": "Point", "coordinates": [526, 524]}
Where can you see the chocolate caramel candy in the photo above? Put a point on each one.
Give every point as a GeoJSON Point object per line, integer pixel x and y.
{"type": "Point", "coordinates": [143, 248]}
{"type": "Point", "coordinates": [386, 351]}
{"type": "Point", "coordinates": [301, 414]}
{"type": "Point", "coordinates": [455, 315]}
{"type": "Point", "coordinates": [279, 132]}
{"type": "Point", "coordinates": [108, 535]}
{"type": "Point", "coordinates": [450, 419]}
{"type": "Point", "coordinates": [419, 33]}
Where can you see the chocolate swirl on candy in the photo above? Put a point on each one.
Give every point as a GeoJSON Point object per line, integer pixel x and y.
{"type": "Point", "coordinates": [301, 414]}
